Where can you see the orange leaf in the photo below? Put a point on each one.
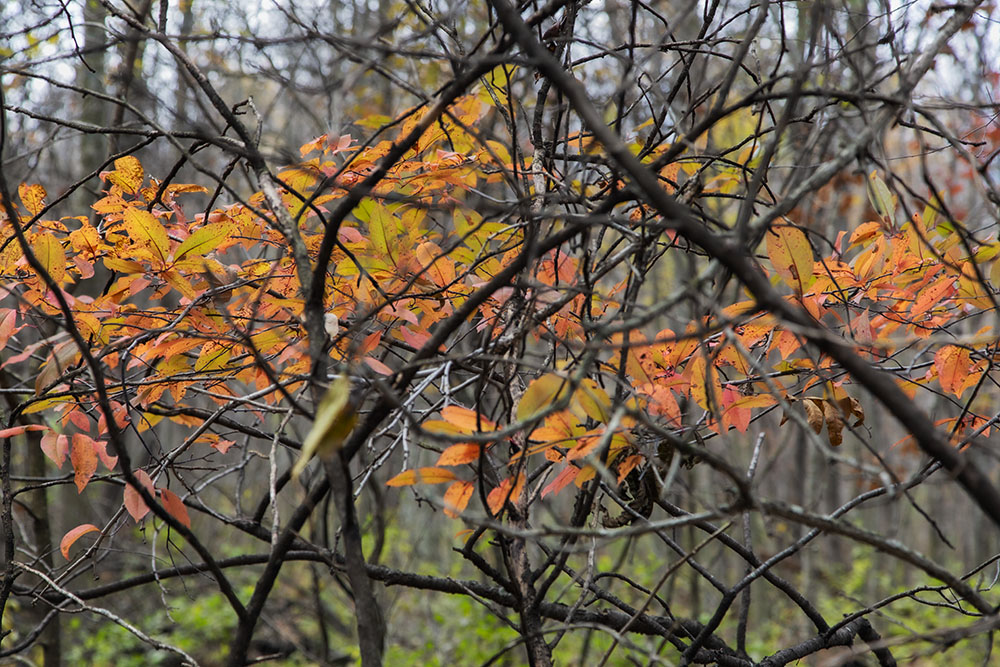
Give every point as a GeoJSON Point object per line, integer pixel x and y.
{"type": "Point", "coordinates": [468, 421]}
{"type": "Point", "coordinates": [173, 504]}
{"type": "Point", "coordinates": [459, 454]}
{"type": "Point", "coordinates": [456, 498]}
{"type": "Point", "coordinates": [314, 145]}
{"type": "Point", "coordinates": [84, 460]}
{"type": "Point", "coordinates": [422, 476]}
{"type": "Point", "coordinates": [931, 296]}
{"type": "Point", "coordinates": [583, 447]}
{"type": "Point", "coordinates": [439, 269]}
{"type": "Point", "coordinates": [628, 465]}
{"type": "Point", "coordinates": [101, 449]}
{"type": "Point", "coordinates": [134, 503]}
{"type": "Point", "coordinates": [18, 430]}
{"type": "Point", "coordinates": [72, 536]}
{"type": "Point", "coordinates": [953, 366]}
{"type": "Point", "coordinates": [786, 342]}
{"type": "Point", "coordinates": [662, 402]}
{"type": "Point", "coordinates": [506, 491]}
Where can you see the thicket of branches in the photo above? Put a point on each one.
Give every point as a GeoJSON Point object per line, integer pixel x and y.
{"type": "Point", "coordinates": [651, 333]}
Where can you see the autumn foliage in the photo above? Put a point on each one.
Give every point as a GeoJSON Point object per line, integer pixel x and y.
{"type": "Point", "coordinates": [537, 350]}
{"type": "Point", "coordinates": [206, 308]}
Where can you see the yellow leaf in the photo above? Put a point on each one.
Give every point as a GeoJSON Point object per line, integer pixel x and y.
{"type": "Point", "coordinates": [123, 265]}
{"type": "Point", "coordinates": [204, 240]}
{"type": "Point", "coordinates": [33, 197]}
{"type": "Point", "coordinates": [212, 358]}
{"type": "Point", "coordinates": [85, 239]}
{"type": "Point", "coordinates": [180, 283]}
{"type": "Point", "coordinates": [50, 255]}
{"type": "Point", "coordinates": [127, 175]}
{"type": "Point", "coordinates": [335, 419]}
{"type": "Point", "coordinates": [144, 228]}
{"type": "Point", "coordinates": [791, 256]}
{"type": "Point", "coordinates": [706, 388]}
{"type": "Point", "coordinates": [540, 395]}
{"type": "Point", "coordinates": [592, 401]}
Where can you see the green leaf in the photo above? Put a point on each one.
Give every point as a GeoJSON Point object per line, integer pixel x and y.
{"type": "Point", "coordinates": [335, 419]}
{"type": "Point", "coordinates": [883, 201]}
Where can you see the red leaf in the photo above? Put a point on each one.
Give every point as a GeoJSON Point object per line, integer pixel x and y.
{"type": "Point", "coordinates": [173, 504]}
{"type": "Point", "coordinates": [101, 449]}
{"type": "Point", "coordinates": [7, 326]}
{"type": "Point", "coordinates": [134, 503]}
{"type": "Point", "coordinates": [378, 366]}
{"type": "Point", "coordinates": [55, 446]}
{"type": "Point", "coordinates": [223, 445]}
{"type": "Point", "coordinates": [561, 481]}
{"type": "Point", "coordinates": [79, 419]}
{"type": "Point", "coordinates": [73, 535]}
